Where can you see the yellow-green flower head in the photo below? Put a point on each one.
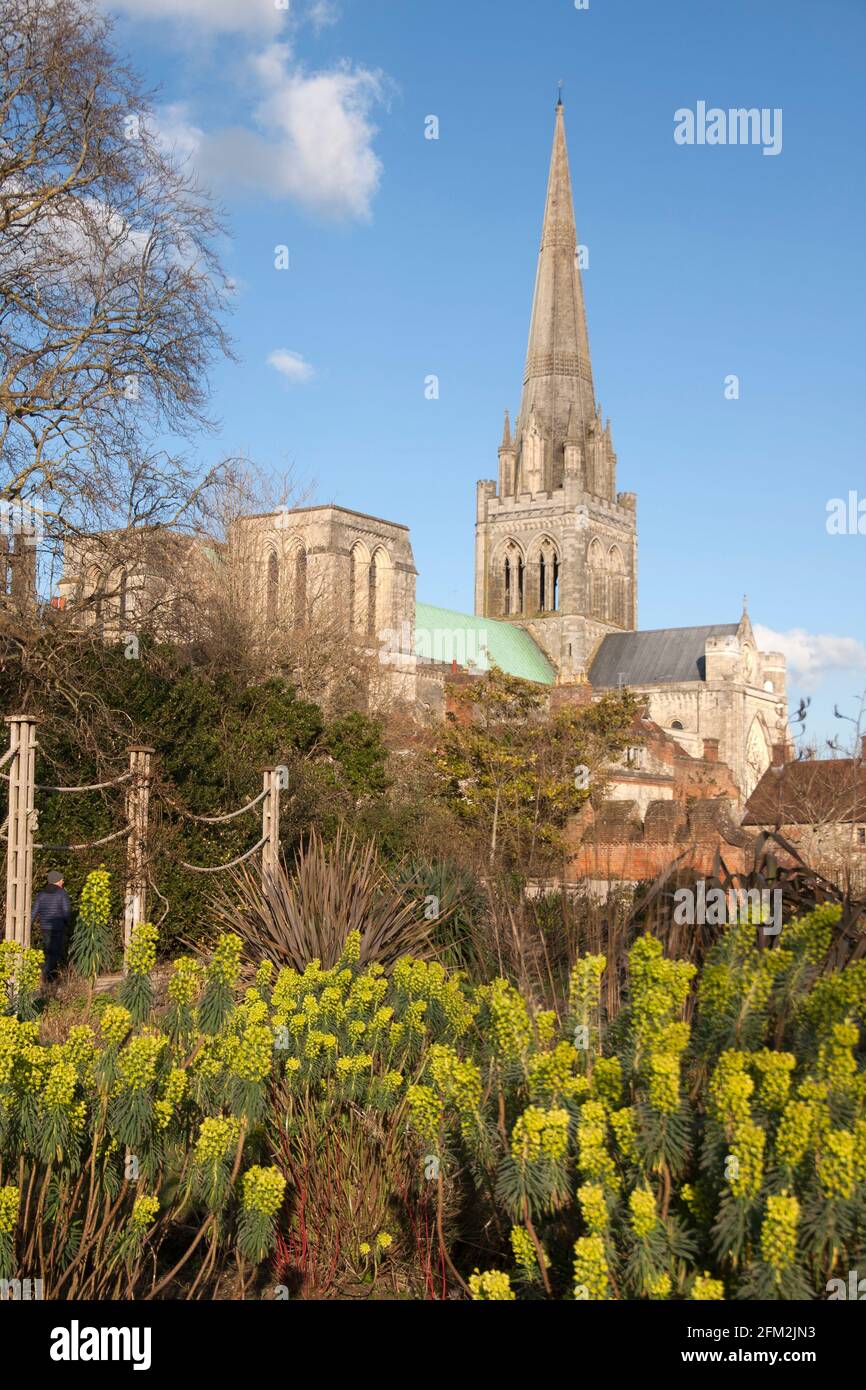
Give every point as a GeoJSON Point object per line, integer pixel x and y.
{"type": "Point", "coordinates": [80, 1049]}
{"type": "Point", "coordinates": [263, 1190]}
{"type": "Point", "coordinates": [779, 1231]}
{"type": "Point", "coordinates": [659, 987]}
{"type": "Point", "coordinates": [33, 1062]}
{"type": "Point", "coordinates": [137, 1063]}
{"type": "Point", "coordinates": [551, 1074]}
{"type": "Point", "coordinates": [60, 1086]}
{"type": "Point", "coordinates": [491, 1287]}
{"type": "Point", "coordinates": [284, 996]}
{"type": "Point", "coordinates": [540, 1134]}
{"type": "Point", "coordinates": [590, 1269]}
{"type": "Point", "coordinates": [224, 965]}
{"type": "Point", "coordinates": [175, 1086]}
{"type": "Point", "coordinates": [216, 1137]}
{"type": "Point", "coordinates": [523, 1246]}
{"type": "Point", "coordinates": [141, 951]}
{"type": "Point", "coordinates": [392, 1081]}
{"type": "Point", "coordinates": [594, 1161]}
{"type": "Point", "coordinates": [384, 1240]}
{"type": "Point", "coordinates": [20, 967]}
{"type": "Point", "coordinates": [145, 1211]}
{"type": "Point", "coordinates": [747, 1148]}
{"type": "Point", "coordinates": [624, 1125]}
{"type": "Point", "coordinates": [95, 901]}
{"type": "Point", "coordinates": [365, 1248]}
{"type": "Point", "coordinates": [458, 1082]}
{"type": "Point", "coordinates": [836, 1062]}
{"type": "Point", "coordinates": [352, 949]}
{"type": "Point", "coordinates": [774, 1077]}
{"type": "Point", "coordinates": [584, 984]}
{"type": "Point", "coordinates": [664, 1085]}
{"type": "Point", "coordinates": [797, 1131]}
{"type": "Point", "coordinates": [659, 1286]}
{"type": "Point", "coordinates": [510, 1022]}
{"type": "Point", "coordinates": [425, 1110]}
{"type": "Point", "coordinates": [9, 1200]}
{"type": "Point", "coordinates": [731, 1089]}
{"type": "Point", "coordinates": [593, 1207]}
{"type": "Point", "coordinates": [265, 976]}
{"type": "Point", "coordinates": [707, 1290]}
{"type": "Point", "coordinates": [254, 1054]}
{"type": "Point", "coordinates": [607, 1080]}
{"type": "Point", "coordinates": [643, 1214]}
{"type": "Point", "coordinates": [837, 1163]}
{"type": "Point", "coordinates": [185, 981]}
{"type": "Point", "coordinates": [545, 1027]}
{"type": "Point", "coordinates": [114, 1024]}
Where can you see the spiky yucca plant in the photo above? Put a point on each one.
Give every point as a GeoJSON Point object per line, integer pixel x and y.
{"type": "Point", "coordinates": [310, 912]}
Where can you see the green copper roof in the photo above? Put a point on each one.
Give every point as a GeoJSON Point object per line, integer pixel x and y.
{"type": "Point", "coordinates": [443, 635]}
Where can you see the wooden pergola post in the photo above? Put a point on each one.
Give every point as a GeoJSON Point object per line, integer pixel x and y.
{"type": "Point", "coordinates": [270, 826]}
{"type": "Point", "coordinates": [22, 814]}
{"type": "Point", "coordinates": [137, 807]}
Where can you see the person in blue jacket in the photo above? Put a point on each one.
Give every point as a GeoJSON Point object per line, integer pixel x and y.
{"type": "Point", "coordinates": [53, 908]}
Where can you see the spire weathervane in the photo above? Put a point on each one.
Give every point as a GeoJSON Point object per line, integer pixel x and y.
{"type": "Point", "coordinates": [560, 86]}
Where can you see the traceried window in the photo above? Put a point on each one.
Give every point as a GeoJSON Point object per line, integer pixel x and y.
{"type": "Point", "coordinates": [299, 605]}
{"type": "Point", "coordinates": [272, 605]}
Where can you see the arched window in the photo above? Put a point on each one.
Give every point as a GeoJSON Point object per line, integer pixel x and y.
{"type": "Point", "coordinates": [545, 567]}
{"type": "Point", "coordinates": [379, 616]}
{"type": "Point", "coordinates": [596, 581]}
{"type": "Point", "coordinates": [508, 580]}
{"type": "Point", "coordinates": [676, 724]}
{"type": "Point", "coordinates": [359, 588]}
{"type": "Point", "coordinates": [616, 586]}
{"type": "Point", "coordinates": [272, 605]}
{"type": "Point", "coordinates": [542, 585]}
{"type": "Point", "coordinates": [371, 597]}
{"type": "Point", "coordinates": [300, 596]}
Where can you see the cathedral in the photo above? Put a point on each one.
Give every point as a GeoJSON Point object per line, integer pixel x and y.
{"type": "Point", "coordinates": [556, 591]}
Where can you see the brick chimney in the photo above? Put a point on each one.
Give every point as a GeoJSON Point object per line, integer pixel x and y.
{"type": "Point", "coordinates": [711, 750]}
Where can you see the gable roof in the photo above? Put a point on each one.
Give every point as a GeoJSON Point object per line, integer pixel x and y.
{"type": "Point", "coordinates": [817, 791]}
{"type": "Point", "coordinates": [668, 654]}
{"type": "Point", "coordinates": [442, 634]}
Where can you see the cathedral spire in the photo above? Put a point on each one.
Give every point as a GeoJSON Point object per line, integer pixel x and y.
{"type": "Point", "coordinates": [558, 378]}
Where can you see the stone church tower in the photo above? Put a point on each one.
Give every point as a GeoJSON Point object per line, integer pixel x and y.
{"type": "Point", "coordinates": [556, 544]}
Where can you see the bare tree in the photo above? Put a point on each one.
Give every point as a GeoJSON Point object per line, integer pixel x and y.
{"type": "Point", "coordinates": [111, 293]}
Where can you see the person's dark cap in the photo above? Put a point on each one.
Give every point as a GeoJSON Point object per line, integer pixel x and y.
{"type": "Point", "coordinates": [54, 877]}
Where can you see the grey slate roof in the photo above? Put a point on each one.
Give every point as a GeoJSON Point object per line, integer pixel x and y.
{"type": "Point", "coordinates": [670, 654]}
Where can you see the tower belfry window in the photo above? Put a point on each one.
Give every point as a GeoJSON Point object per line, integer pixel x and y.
{"type": "Point", "coordinates": [542, 577]}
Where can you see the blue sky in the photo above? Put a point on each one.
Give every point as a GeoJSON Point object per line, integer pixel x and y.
{"type": "Point", "coordinates": [411, 257]}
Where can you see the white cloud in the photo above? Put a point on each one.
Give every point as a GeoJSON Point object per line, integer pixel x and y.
{"type": "Point", "coordinates": [314, 137]}
{"type": "Point", "coordinates": [175, 132]}
{"type": "Point", "coordinates": [322, 13]}
{"type": "Point", "coordinates": [812, 656]}
{"type": "Point", "coordinates": [221, 16]}
{"type": "Point", "coordinates": [291, 365]}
